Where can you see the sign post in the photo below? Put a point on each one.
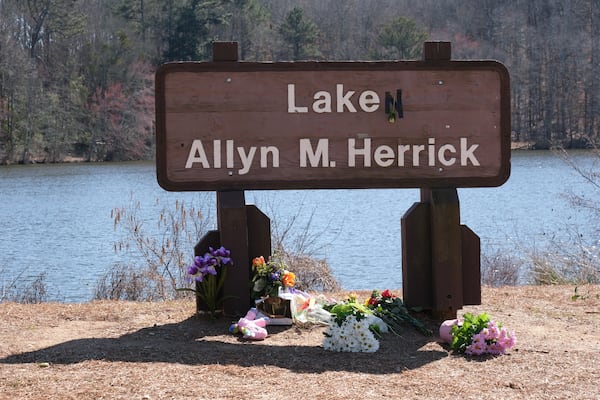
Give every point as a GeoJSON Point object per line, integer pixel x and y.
{"type": "Point", "coordinates": [434, 124]}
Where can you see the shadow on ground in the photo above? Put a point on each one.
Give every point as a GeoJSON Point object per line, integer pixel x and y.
{"type": "Point", "coordinates": [197, 342]}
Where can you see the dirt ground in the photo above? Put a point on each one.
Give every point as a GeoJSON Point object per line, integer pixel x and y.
{"type": "Point", "coordinates": [125, 350]}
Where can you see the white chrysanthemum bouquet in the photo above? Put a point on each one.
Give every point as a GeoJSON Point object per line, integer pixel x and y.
{"type": "Point", "coordinates": [353, 328]}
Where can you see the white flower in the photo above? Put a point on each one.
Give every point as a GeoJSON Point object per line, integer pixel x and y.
{"type": "Point", "coordinates": [352, 336]}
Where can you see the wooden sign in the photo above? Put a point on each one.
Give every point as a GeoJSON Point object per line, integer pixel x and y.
{"type": "Point", "coordinates": [243, 126]}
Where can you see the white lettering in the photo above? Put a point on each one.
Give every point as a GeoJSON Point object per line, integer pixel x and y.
{"type": "Point", "coordinates": [322, 103]}
{"type": "Point", "coordinates": [217, 153]}
{"type": "Point", "coordinates": [417, 149]}
{"type": "Point", "coordinates": [402, 149]}
{"type": "Point", "coordinates": [365, 152]}
{"type": "Point", "coordinates": [429, 154]}
{"type": "Point", "coordinates": [467, 154]}
{"type": "Point", "coordinates": [431, 151]}
{"type": "Point", "coordinates": [292, 108]}
{"type": "Point", "coordinates": [442, 155]}
{"type": "Point", "coordinates": [384, 156]}
{"type": "Point", "coordinates": [343, 99]}
{"type": "Point", "coordinates": [264, 156]}
{"type": "Point", "coordinates": [229, 153]}
{"type": "Point", "coordinates": [368, 101]}
{"type": "Point", "coordinates": [316, 156]}
{"type": "Point", "coordinates": [197, 154]}
{"type": "Point", "coordinates": [246, 159]}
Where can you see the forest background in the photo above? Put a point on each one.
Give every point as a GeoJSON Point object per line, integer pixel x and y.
{"type": "Point", "coordinates": [77, 76]}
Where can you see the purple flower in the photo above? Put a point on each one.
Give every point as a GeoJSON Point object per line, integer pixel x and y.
{"type": "Point", "coordinates": [207, 259]}
{"type": "Point", "coordinates": [274, 276]}
{"type": "Point", "coordinates": [226, 260]}
{"type": "Point", "coordinates": [192, 269]}
{"type": "Point", "coordinates": [209, 269]}
{"type": "Point", "coordinates": [198, 261]}
{"type": "Point", "coordinates": [208, 263]}
{"type": "Point", "coordinates": [220, 252]}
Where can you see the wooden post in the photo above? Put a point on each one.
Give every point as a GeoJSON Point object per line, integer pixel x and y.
{"type": "Point", "coordinates": [446, 258]}
{"type": "Point", "coordinates": [440, 257]}
{"type": "Point", "coordinates": [233, 231]}
{"type": "Point", "coordinates": [244, 230]}
{"type": "Point", "coordinates": [232, 221]}
{"type": "Point", "coordinates": [446, 252]}
{"type": "Point", "coordinates": [416, 257]}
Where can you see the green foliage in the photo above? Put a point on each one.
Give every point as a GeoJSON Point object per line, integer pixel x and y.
{"type": "Point", "coordinates": [249, 25]}
{"type": "Point", "coordinates": [400, 39]}
{"type": "Point", "coordinates": [344, 309]}
{"type": "Point", "coordinates": [188, 29]}
{"type": "Point", "coordinates": [299, 35]}
{"type": "Point", "coordinates": [462, 334]}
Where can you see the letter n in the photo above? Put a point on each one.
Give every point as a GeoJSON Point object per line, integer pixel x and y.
{"type": "Point", "coordinates": [394, 103]}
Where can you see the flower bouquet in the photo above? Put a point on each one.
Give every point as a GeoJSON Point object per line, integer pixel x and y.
{"type": "Point", "coordinates": [477, 335]}
{"type": "Point", "coordinates": [209, 272]}
{"type": "Point", "coordinates": [393, 312]}
{"type": "Point", "coordinates": [353, 328]}
{"type": "Point", "coordinates": [270, 279]}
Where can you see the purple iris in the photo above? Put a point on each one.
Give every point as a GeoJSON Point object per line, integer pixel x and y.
{"type": "Point", "coordinates": [192, 269]}
{"type": "Point", "coordinates": [206, 260]}
{"type": "Point", "coordinates": [208, 263]}
{"type": "Point", "coordinates": [222, 253]}
{"type": "Point", "coordinates": [209, 269]}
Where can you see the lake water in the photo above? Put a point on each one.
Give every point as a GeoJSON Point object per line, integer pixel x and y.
{"type": "Point", "coordinates": [57, 218]}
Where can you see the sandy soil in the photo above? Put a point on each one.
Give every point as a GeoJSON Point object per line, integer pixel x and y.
{"type": "Point", "coordinates": [124, 350]}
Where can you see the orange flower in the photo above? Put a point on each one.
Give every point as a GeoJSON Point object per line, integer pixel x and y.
{"type": "Point", "coordinates": [258, 262]}
{"type": "Point", "coordinates": [289, 279]}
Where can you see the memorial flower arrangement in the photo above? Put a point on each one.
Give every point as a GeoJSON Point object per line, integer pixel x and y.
{"type": "Point", "coordinates": [477, 335]}
{"type": "Point", "coordinates": [353, 328]}
{"type": "Point", "coordinates": [393, 312]}
{"type": "Point", "coordinates": [270, 277]}
{"type": "Point", "coordinates": [209, 272]}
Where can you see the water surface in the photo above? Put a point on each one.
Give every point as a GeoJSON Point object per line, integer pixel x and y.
{"type": "Point", "coordinates": [57, 219]}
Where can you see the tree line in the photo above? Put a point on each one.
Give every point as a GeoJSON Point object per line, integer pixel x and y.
{"type": "Point", "coordinates": [76, 76]}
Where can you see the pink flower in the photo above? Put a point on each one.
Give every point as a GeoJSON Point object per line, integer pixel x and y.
{"type": "Point", "coordinates": [493, 331]}
{"type": "Point", "coordinates": [486, 333]}
{"type": "Point", "coordinates": [507, 339]}
{"type": "Point", "coordinates": [479, 338]}
{"type": "Point", "coordinates": [495, 348]}
{"type": "Point", "coordinates": [477, 348]}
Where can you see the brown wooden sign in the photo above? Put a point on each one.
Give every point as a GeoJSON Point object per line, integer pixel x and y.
{"type": "Point", "coordinates": [243, 126]}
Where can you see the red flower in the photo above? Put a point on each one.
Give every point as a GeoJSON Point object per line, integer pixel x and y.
{"type": "Point", "coordinates": [372, 301]}
{"type": "Point", "coordinates": [386, 294]}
